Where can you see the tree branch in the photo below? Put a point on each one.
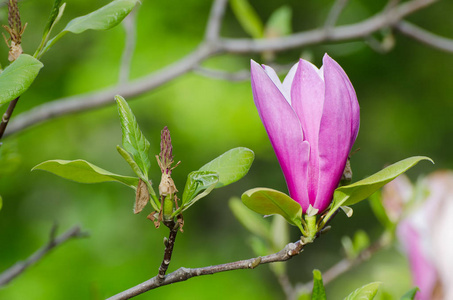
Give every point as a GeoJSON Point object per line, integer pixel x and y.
{"type": "Point", "coordinates": [214, 46]}
{"type": "Point", "coordinates": [182, 274]}
{"type": "Point", "coordinates": [215, 20]}
{"type": "Point", "coordinates": [20, 267]}
{"type": "Point", "coordinates": [347, 264]}
{"type": "Point", "coordinates": [169, 244]}
{"type": "Point", "coordinates": [425, 37]}
{"type": "Point", "coordinates": [129, 24]}
{"type": "Point", "coordinates": [7, 115]}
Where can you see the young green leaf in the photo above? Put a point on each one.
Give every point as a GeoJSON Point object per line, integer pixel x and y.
{"type": "Point", "coordinates": [83, 172]}
{"type": "Point", "coordinates": [17, 77]}
{"type": "Point", "coordinates": [248, 18]}
{"type": "Point", "coordinates": [231, 165]}
{"type": "Point", "coordinates": [279, 23]}
{"type": "Point", "coordinates": [198, 181]}
{"type": "Point", "coordinates": [379, 211]}
{"type": "Point", "coordinates": [410, 295]}
{"type": "Point", "coordinates": [318, 287]}
{"type": "Point", "coordinates": [54, 14]}
{"type": "Point", "coordinates": [104, 18]}
{"type": "Point", "coordinates": [269, 202]}
{"type": "Point", "coordinates": [133, 139]}
{"type": "Point", "coordinates": [360, 190]}
{"type": "Point", "coordinates": [366, 292]}
{"type": "Point", "coordinates": [251, 221]}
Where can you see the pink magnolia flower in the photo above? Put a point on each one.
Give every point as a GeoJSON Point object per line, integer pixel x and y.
{"type": "Point", "coordinates": [312, 119]}
{"type": "Point", "coordinates": [427, 237]}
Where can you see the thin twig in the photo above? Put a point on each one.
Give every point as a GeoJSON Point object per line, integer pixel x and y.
{"type": "Point", "coordinates": [425, 37]}
{"type": "Point", "coordinates": [208, 49]}
{"type": "Point", "coordinates": [215, 20]}
{"type": "Point", "coordinates": [129, 24]}
{"type": "Point", "coordinates": [169, 244]}
{"type": "Point", "coordinates": [334, 14]}
{"type": "Point", "coordinates": [346, 264]}
{"type": "Point", "coordinates": [182, 274]}
{"type": "Point", "coordinates": [19, 267]}
{"type": "Point", "coordinates": [7, 115]}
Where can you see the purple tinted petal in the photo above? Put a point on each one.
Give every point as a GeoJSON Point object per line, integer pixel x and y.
{"type": "Point", "coordinates": [284, 131]}
{"type": "Point", "coordinates": [288, 81]}
{"type": "Point", "coordinates": [423, 272]}
{"type": "Point", "coordinates": [276, 80]}
{"type": "Point", "coordinates": [307, 94]}
{"type": "Point", "coordinates": [335, 133]}
{"type": "Point", "coordinates": [353, 97]}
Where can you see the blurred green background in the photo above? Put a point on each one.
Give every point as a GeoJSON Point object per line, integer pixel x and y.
{"type": "Point", "coordinates": [406, 100]}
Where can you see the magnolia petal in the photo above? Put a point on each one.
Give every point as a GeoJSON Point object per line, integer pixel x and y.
{"type": "Point", "coordinates": [334, 134]}
{"type": "Point", "coordinates": [283, 128]}
{"type": "Point", "coordinates": [355, 124]}
{"type": "Point", "coordinates": [288, 81]}
{"type": "Point", "coordinates": [423, 272]}
{"type": "Point", "coordinates": [307, 96]}
{"type": "Point", "coordinates": [276, 80]}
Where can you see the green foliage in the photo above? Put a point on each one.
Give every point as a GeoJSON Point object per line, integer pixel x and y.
{"type": "Point", "coordinates": [379, 211]}
{"type": "Point", "coordinates": [279, 23]}
{"type": "Point", "coordinates": [104, 18]}
{"type": "Point", "coordinates": [83, 172]}
{"type": "Point", "coordinates": [248, 18]}
{"type": "Point", "coordinates": [355, 246]}
{"type": "Point", "coordinates": [55, 15]}
{"type": "Point", "coordinates": [221, 171]}
{"type": "Point", "coordinates": [17, 77]}
{"type": "Point", "coordinates": [360, 190]}
{"type": "Point", "coordinates": [231, 165]}
{"type": "Point", "coordinates": [410, 295]}
{"type": "Point", "coordinates": [250, 220]}
{"type": "Point", "coordinates": [198, 181]}
{"type": "Point", "coordinates": [1, 202]}
{"type": "Point", "coordinates": [366, 292]}
{"type": "Point", "coordinates": [133, 139]}
{"type": "Point", "coordinates": [318, 287]}
{"type": "Point", "coordinates": [268, 202]}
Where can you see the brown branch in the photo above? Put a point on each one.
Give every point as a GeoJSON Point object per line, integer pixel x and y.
{"type": "Point", "coordinates": [213, 46]}
{"type": "Point", "coordinates": [182, 274]}
{"type": "Point", "coordinates": [169, 244]}
{"type": "Point", "coordinates": [7, 115]}
{"type": "Point", "coordinates": [425, 37]}
{"type": "Point", "coordinates": [18, 268]}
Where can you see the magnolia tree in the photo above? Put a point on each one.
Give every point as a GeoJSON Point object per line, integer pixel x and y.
{"type": "Point", "coordinates": [312, 119]}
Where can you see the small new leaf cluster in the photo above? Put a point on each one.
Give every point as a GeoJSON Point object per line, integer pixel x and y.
{"type": "Point", "coordinates": [168, 208]}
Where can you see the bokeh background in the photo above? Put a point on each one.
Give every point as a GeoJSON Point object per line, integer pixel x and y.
{"type": "Point", "coordinates": [406, 99]}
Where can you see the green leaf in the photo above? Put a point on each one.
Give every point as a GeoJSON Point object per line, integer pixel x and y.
{"type": "Point", "coordinates": [197, 181]}
{"type": "Point", "coordinates": [269, 202]}
{"type": "Point", "coordinates": [379, 210]}
{"type": "Point", "coordinates": [83, 172]}
{"type": "Point", "coordinates": [318, 287]}
{"type": "Point", "coordinates": [133, 139]}
{"type": "Point", "coordinates": [17, 77]}
{"type": "Point", "coordinates": [1, 202]}
{"type": "Point", "coordinates": [248, 18]}
{"type": "Point", "coordinates": [360, 190]}
{"type": "Point", "coordinates": [279, 23]}
{"type": "Point", "coordinates": [251, 221]}
{"type": "Point", "coordinates": [410, 295]}
{"type": "Point", "coordinates": [231, 165]}
{"type": "Point", "coordinates": [54, 14]}
{"type": "Point", "coordinates": [104, 18]}
{"type": "Point", "coordinates": [366, 292]}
